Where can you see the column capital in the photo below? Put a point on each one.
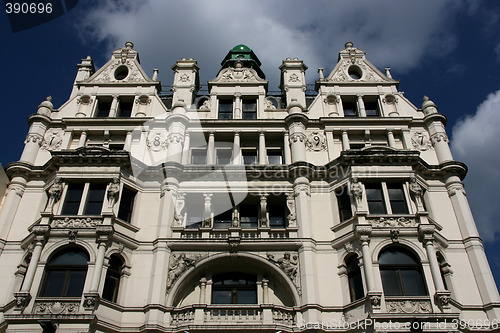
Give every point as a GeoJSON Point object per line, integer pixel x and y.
{"type": "Point", "coordinates": [364, 232]}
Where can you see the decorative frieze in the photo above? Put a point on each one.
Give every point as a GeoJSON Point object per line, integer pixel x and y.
{"type": "Point", "coordinates": [408, 306]}
{"type": "Point", "coordinates": [391, 222]}
{"type": "Point", "coordinates": [70, 222]}
{"type": "Point", "coordinates": [56, 308]}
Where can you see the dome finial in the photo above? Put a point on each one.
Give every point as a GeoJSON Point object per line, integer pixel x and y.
{"type": "Point", "coordinates": [129, 45]}
{"type": "Point", "coordinates": [349, 45]}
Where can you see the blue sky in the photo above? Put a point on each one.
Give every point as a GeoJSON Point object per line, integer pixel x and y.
{"type": "Point", "coordinates": [446, 49]}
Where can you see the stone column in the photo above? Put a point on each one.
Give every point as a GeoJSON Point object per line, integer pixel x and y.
{"type": "Point", "coordinates": [176, 123]}
{"type": "Point", "coordinates": [114, 107]}
{"type": "Point", "coordinates": [83, 139]}
{"type": "Point", "coordinates": [128, 141]}
{"type": "Point", "coordinates": [265, 291]}
{"type": "Point", "coordinates": [361, 106]}
{"type": "Point", "coordinates": [203, 290]}
{"type": "Point", "coordinates": [207, 212]}
{"type": "Point", "coordinates": [10, 204]}
{"type": "Point", "coordinates": [263, 221]}
{"type": "Point", "coordinates": [296, 122]}
{"type": "Point", "coordinates": [262, 149]}
{"type": "Point", "coordinates": [364, 232]}
{"type": "Point", "coordinates": [211, 149]}
{"type": "Point", "coordinates": [390, 138]}
{"type": "Point", "coordinates": [237, 157]}
{"type": "Point", "coordinates": [345, 141]}
{"type": "Point", "coordinates": [286, 147]}
{"type": "Point", "coordinates": [185, 150]}
{"type": "Point", "coordinates": [435, 123]}
{"type": "Point", "coordinates": [237, 106]}
{"type": "Point", "coordinates": [23, 297]}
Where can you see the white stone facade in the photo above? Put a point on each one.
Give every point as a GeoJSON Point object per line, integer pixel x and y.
{"type": "Point", "coordinates": [238, 209]}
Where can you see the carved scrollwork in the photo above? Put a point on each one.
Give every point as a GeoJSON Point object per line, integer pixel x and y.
{"type": "Point", "coordinates": [420, 141]}
{"type": "Point", "coordinates": [33, 137]}
{"type": "Point", "coordinates": [316, 142]}
{"type": "Point", "coordinates": [68, 222]}
{"type": "Point", "coordinates": [390, 222]}
{"type": "Point", "coordinates": [288, 263]}
{"type": "Point", "coordinates": [438, 137]}
{"type": "Point", "coordinates": [297, 137]}
{"type": "Point", "coordinates": [294, 78]}
{"type": "Point", "coordinates": [178, 264]}
{"type": "Point", "coordinates": [157, 141]}
{"type": "Point", "coordinates": [455, 188]}
{"type": "Point", "coordinates": [175, 138]}
{"type": "Point", "coordinates": [56, 308]}
{"type": "Point", "coordinates": [53, 139]}
{"type": "Point", "coordinates": [406, 306]}
{"type": "Point", "coordinates": [184, 78]}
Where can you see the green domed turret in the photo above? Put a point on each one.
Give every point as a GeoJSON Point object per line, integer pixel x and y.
{"type": "Point", "coordinates": [244, 55]}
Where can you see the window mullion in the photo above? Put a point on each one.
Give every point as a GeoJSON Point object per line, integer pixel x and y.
{"type": "Point", "coordinates": [387, 201]}
{"type": "Point", "coordinates": [409, 203]}
{"type": "Point", "coordinates": [83, 201]}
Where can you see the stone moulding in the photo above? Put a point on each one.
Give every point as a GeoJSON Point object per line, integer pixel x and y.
{"type": "Point", "coordinates": [408, 306]}
{"type": "Point", "coordinates": [391, 222]}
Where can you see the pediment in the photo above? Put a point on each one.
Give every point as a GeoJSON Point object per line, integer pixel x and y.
{"type": "Point", "coordinates": [238, 75]}
{"type": "Point", "coordinates": [353, 67]}
{"type": "Point", "coordinates": [122, 68]}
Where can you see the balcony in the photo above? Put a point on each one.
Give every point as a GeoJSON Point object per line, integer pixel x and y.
{"type": "Point", "coordinates": [224, 234]}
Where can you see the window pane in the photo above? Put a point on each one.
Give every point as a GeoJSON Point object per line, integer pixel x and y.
{"type": "Point", "coordinates": [277, 215]}
{"type": "Point", "coordinates": [391, 283]}
{"type": "Point", "coordinates": [371, 109]}
{"type": "Point", "coordinates": [223, 156]}
{"type": "Point", "coordinates": [375, 198]}
{"type": "Point", "coordinates": [225, 109]}
{"type": "Point", "coordinates": [344, 204]}
{"type": "Point", "coordinates": [354, 278]}
{"type": "Point", "coordinates": [126, 204]}
{"type": "Point", "coordinates": [274, 157]}
{"type": "Point", "coordinates": [397, 198]}
{"type": "Point", "coordinates": [396, 257]}
{"type": "Point", "coordinates": [412, 282]}
{"type": "Point", "coordinates": [249, 156]}
{"type": "Point", "coordinates": [221, 296]}
{"type": "Point", "coordinates": [249, 109]}
{"type": "Point", "coordinates": [125, 108]}
{"type": "Point", "coordinates": [76, 280]}
{"type": "Point", "coordinates": [247, 296]}
{"type": "Point", "coordinates": [72, 200]}
{"type": "Point", "coordinates": [249, 216]}
{"type": "Point", "coordinates": [95, 199]}
{"type": "Point", "coordinates": [103, 108]}
{"type": "Point", "coordinates": [53, 283]}
{"type": "Point", "coordinates": [198, 156]}
{"type": "Point", "coordinates": [223, 220]}
{"type": "Point", "coordinates": [74, 257]}
{"type": "Point", "coordinates": [350, 109]}
{"type": "Point", "coordinates": [110, 288]}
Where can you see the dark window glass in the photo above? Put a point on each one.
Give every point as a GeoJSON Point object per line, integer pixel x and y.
{"type": "Point", "coordinates": [126, 204]}
{"type": "Point", "coordinates": [116, 146]}
{"type": "Point", "coordinates": [375, 198]}
{"type": "Point", "coordinates": [274, 156]}
{"type": "Point", "coordinates": [401, 273]}
{"type": "Point", "coordinates": [103, 108]}
{"type": "Point", "coordinates": [234, 288]}
{"type": "Point", "coordinates": [125, 108]}
{"type": "Point", "coordinates": [224, 219]}
{"type": "Point", "coordinates": [397, 198]}
{"type": "Point", "coordinates": [65, 274]}
{"type": "Point", "coordinates": [225, 109]}
{"type": "Point", "coordinates": [223, 156]}
{"type": "Point", "coordinates": [249, 109]}
{"type": "Point", "coordinates": [277, 215]}
{"type": "Point", "coordinates": [194, 207]}
{"type": "Point", "coordinates": [371, 109]}
{"type": "Point", "coordinates": [350, 109]}
{"type": "Point", "coordinates": [95, 199]}
{"type": "Point", "coordinates": [249, 215]}
{"type": "Point", "coordinates": [344, 203]}
{"type": "Point", "coordinates": [354, 279]}
{"type": "Point", "coordinates": [198, 156]}
{"type": "Point", "coordinates": [112, 281]}
{"type": "Point", "coordinates": [356, 145]}
{"type": "Point", "coordinates": [249, 156]}
{"type": "Point", "coordinates": [73, 199]}
{"type": "Point", "coordinates": [442, 265]}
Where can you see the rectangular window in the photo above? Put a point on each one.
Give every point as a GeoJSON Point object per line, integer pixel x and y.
{"type": "Point", "coordinates": [225, 109]}
{"type": "Point", "coordinates": [116, 146]}
{"type": "Point", "coordinates": [375, 198]}
{"type": "Point", "coordinates": [249, 109]}
{"type": "Point", "coordinates": [274, 156]}
{"type": "Point", "coordinates": [73, 199]}
{"type": "Point", "coordinates": [126, 204]}
{"type": "Point", "coordinates": [277, 215]}
{"type": "Point", "coordinates": [371, 108]}
{"type": "Point", "coordinates": [249, 156]}
{"type": "Point", "coordinates": [249, 215]}
{"type": "Point", "coordinates": [194, 207]}
{"type": "Point", "coordinates": [224, 219]}
{"type": "Point", "coordinates": [350, 109]}
{"type": "Point", "coordinates": [344, 203]}
{"type": "Point", "coordinates": [103, 108]}
{"type": "Point", "coordinates": [95, 198]}
{"type": "Point", "coordinates": [198, 156]}
{"type": "Point", "coordinates": [223, 156]}
{"type": "Point", "coordinates": [125, 107]}
{"type": "Point", "coordinates": [397, 198]}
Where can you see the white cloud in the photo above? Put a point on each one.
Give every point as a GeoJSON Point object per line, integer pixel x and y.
{"type": "Point", "coordinates": [395, 33]}
{"type": "Point", "coordinates": [475, 142]}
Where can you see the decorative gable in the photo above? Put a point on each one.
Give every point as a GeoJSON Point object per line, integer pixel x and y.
{"type": "Point", "coordinates": [122, 68]}
{"type": "Point", "coordinates": [238, 75]}
{"type": "Point", "coordinates": [353, 67]}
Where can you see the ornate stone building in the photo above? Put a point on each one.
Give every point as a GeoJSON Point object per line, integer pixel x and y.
{"type": "Point", "coordinates": [233, 208]}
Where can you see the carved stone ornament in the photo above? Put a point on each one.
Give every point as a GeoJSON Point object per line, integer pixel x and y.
{"type": "Point", "coordinates": [184, 78]}
{"type": "Point", "coordinates": [143, 100]}
{"type": "Point", "coordinates": [291, 217]}
{"type": "Point", "coordinates": [294, 78]}
{"type": "Point", "coordinates": [356, 190]}
{"type": "Point", "coordinates": [157, 141]}
{"type": "Point", "coordinates": [395, 235]}
{"type": "Point", "coordinates": [443, 298]}
{"type": "Point", "coordinates": [420, 141]}
{"type": "Point", "coordinates": [175, 138]}
{"type": "Point", "coordinates": [302, 188]}
{"type": "Point", "coordinates": [238, 75]}
{"type": "Point", "coordinates": [316, 141]}
{"type": "Point", "coordinates": [205, 106]}
{"type": "Point", "coordinates": [33, 137]}
{"type": "Point", "coordinates": [53, 139]}
{"type": "Point", "coordinates": [178, 264]}
{"type": "Point", "coordinates": [454, 189]}
{"type": "Point", "coordinates": [68, 222]}
{"type": "Point", "coordinates": [390, 222]}
{"type": "Point", "coordinates": [288, 263]}
{"type": "Point", "coordinates": [22, 299]}
{"type": "Point", "coordinates": [90, 300]}
{"type": "Point", "coordinates": [297, 137]}
{"type": "Point", "coordinates": [56, 308]}
{"type": "Point", "coordinates": [113, 191]}
{"type": "Point", "coordinates": [438, 137]}
{"type": "Point", "coordinates": [56, 190]}
{"type": "Point", "coordinates": [406, 306]}
{"type": "Point", "coordinates": [84, 100]}
{"type": "Point", "coordinates": [269, 105]}
{"type": "Point", "coordinates": [375, 300]}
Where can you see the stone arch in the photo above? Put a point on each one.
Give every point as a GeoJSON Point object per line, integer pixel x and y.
{"type": "Point", "coordinates": [225, 262]}
{"type": "Point", "coordinates": [53, 248]}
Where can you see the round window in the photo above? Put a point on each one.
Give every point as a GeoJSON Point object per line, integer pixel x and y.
{"type": "Point", "coordinates": [355, 72]}
{"type": "Point", "coordinates": [121, 72]}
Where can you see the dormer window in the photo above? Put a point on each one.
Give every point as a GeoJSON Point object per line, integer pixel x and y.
{"type": "Point", "coordinates": [225, 109]}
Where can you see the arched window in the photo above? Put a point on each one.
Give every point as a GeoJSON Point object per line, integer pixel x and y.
{"type": "Point", "coordinates": [354, 278]}
{"type": "Point", "coordinates": [401, 273]}
{"type": "Point", "coordinates": [234, 288]}
{"type": "Point", "coordinates": [65, 273]}
{"type": "Point", "coordinates": [112, 281]}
